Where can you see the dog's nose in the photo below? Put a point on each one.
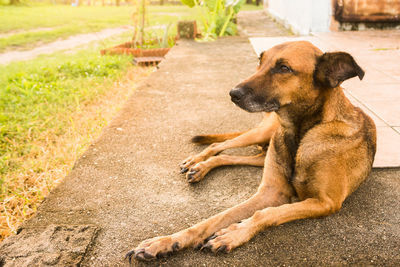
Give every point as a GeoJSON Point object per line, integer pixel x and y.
{"type": "Point", "coordinates": [236, 94]}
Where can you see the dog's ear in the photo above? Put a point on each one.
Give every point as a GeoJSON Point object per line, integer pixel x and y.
{"type": "Point", "coordinates": [333, 68]}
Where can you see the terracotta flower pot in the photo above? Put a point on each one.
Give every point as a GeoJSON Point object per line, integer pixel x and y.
{"type": "Point", "coordinates": [127, 49]}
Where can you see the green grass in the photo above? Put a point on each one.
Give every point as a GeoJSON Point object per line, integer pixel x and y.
{"type": "Point", "coordinates": [31, 17]}
{"type": "Point", "coordinates": [60, 21]}
{"type": "Point", "coordinates": [34, 94]}
{"type": "Point", "coordinates": [63, 21]}
{"type": "Point", "coordinates": [51, 109]}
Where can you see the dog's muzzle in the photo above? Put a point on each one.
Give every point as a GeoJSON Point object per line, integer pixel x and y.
{"type": "Point", "coordinates": [245, 98]}
{"type": "Point", "coordinates": [237, 94]}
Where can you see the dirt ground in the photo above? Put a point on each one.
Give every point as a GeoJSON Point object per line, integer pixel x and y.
{"type": "Point", "coordinates": [127, 186]}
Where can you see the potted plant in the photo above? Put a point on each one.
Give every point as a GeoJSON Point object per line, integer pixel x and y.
{"type": "Point", "coordinates": [144, 43]}
{"type": "Point", "coordinates": [217, 16]}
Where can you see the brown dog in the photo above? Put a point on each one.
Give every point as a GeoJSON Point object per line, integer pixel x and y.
{"type": "Point", "coordinates": [321, 148]}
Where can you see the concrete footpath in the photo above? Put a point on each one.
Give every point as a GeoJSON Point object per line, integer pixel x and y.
{"type": "Point", "coordinates": [127, 186]}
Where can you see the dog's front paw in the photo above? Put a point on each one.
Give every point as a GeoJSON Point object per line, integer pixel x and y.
{"type": "Point", "coordinates": [227, 239]}
{"type": "Point", "coordinates": [156, 247]}
{"type": "Point", "coordinates": [197, 172]}
{"type": "Point", "coordinates": [190, 162]}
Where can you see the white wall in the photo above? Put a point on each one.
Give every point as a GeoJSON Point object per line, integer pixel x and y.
{"type": "Point", "coordinates": [302, 16]}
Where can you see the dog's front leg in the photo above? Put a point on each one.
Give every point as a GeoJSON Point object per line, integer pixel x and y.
{"type": "Point", "coordinates": [239, 233]}
{"type": "Point", "coordinates": [195, 235]}
{"type": "Point", "coordinates": [198, 171]}
{"type": "Point", "coordinates": [259, 135]}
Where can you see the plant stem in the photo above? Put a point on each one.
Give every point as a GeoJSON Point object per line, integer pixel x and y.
{"type": "Point", "coordinates": [213, 23]}
{"type": "Point", "coordinates": [226, 22]}
{"type": "Point", "coordinates": [202, 16]}
{"type": "Point", "coordinates": [143, 20]}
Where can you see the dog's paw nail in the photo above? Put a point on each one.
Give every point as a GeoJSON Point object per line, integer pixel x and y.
{"type": "Point", "coordinates": [161, 255]}
{"type": "Point", "coordinates": [206, 247]}
{"type": "Point", "coordinates": [184, 169]}
{"type": "Point", "coordinates": [198, 246]}
{"type": "Point", "coordinates": [175, 246]}
{"type": "Point", "coordinates": [190, 176]}
{"type": "Point", "coordinates": [191, 173]}
{"type": "Point", "coordinates": [222, 249]}
{"type": "Point", "coordinates": [143, 255]}
{"type": "Point", "coordinates": [211, 237]}
{"type": "Point", "coordinates": [129, 256]}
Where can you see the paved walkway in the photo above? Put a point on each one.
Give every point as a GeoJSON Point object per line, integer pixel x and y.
{"type": "Point", "coordinates": [69, 43]}
{"type": "Point", "coordinates": [127, 186]}
{"type": "Point", "coordinates": [258, 24]}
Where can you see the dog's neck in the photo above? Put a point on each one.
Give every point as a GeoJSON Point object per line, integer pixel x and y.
{"type": "Point", "coordinates": [337, 106]}
{"type": "Point", "coordinates": [330, 105]}
{"type": "Point", "coordinates": [297, 120]}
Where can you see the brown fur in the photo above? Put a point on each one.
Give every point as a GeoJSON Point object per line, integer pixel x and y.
{"type": "Point", "coordinates": [320, 150]}
{"type": "Point", "coordinates": [213, 138]}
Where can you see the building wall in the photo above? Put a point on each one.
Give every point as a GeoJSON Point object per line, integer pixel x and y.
{"type": "Point", "coordinates": [302, 16]}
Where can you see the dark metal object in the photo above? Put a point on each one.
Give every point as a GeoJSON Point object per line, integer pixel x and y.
{"type": "Point", "coordinates": [367, 10]}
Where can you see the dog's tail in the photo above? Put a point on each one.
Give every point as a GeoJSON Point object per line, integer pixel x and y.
{"type": "Point", "coordinates": [213, 138]}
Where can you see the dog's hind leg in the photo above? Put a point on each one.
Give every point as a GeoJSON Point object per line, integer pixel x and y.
{"type": "Point", "coordinates": [259, 135]}
{"type": "Point", "coordinates": [198, 171]}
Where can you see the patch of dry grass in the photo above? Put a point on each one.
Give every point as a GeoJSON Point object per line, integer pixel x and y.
{"type": "Point", "coordinates": [54, 155]}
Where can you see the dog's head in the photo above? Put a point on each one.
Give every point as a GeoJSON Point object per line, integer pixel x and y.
{"type": "Point", "coordinates": [293, 74]}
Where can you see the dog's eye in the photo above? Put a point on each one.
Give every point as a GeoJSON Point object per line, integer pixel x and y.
{"type": "Point", "coordinates": [285, 69]}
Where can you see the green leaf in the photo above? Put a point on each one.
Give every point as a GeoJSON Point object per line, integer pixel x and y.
{"type": "Point", "coordinates": [236, 4]}
{"type": "Point", "coordinates": [210, 4]}
{"type": "Point", "coordinates": [189, 3]}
